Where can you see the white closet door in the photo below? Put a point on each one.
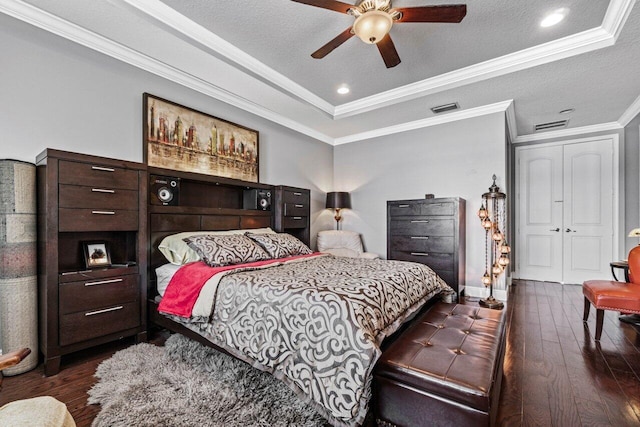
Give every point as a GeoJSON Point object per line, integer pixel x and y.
{"type": "Point", "coordinates": [539, 235]}
{"type": "Point", "coordinates": [588, 211]}
{"type": "Point", "coordinates": [565, 211]}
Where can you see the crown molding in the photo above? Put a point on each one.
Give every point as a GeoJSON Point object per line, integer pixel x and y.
{"type": "Point", "coordinates": [165, 15]}
{"type": "Point", "coordinates": [572, 45]}
{"type": "Point", "coordinates": [616, 16]}
{"type": "Point", "coordinates": [630, 113]}
{"type": "Point", "coordinates": [548, 52]}
{"type": "Point", "coordinates": [603, 127]}
{"type": "Point", "coordinates": [512, 125]}
{"type": "Point", "coordinates": [60, 27]}
{"type": "Point", "coordinates": [427, 122]}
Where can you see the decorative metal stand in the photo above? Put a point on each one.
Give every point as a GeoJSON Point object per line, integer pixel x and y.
{"type": "Point", "coordinates": [493, 218]}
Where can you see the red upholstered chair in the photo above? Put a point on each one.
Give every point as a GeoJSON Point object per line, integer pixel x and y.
{"type": "Point", "coordinates": [610, 295]}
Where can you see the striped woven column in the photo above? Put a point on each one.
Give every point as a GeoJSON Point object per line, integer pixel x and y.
{"type": "Point", "coordinates": [18, 267]}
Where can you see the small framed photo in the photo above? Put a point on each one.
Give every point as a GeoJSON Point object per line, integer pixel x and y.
{"type": "Point", "coordinates": [96, 254]}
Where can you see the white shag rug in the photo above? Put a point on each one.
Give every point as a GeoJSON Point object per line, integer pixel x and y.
{"type": "Point", "coordinates": [186, 383]}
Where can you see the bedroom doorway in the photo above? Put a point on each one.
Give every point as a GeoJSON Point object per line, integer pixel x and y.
{"type": "Point", "coordinates": [566, 210]}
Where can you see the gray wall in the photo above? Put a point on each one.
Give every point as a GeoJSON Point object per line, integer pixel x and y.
{"type": "Point", "coordinates": [632, 181]}
{"type": "Point", "coordinates": [454, 159]}
{"type": "Point", "coordinates": [57, 94]}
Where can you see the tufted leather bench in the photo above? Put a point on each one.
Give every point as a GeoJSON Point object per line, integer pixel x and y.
{"type": "Point", "coordinates": [445, 369]}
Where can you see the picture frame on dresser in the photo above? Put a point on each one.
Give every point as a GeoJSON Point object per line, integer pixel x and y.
{"type": "Point", "coordinates": [180, 138]}
{"type": "Point", "coordinates": [96, 254]}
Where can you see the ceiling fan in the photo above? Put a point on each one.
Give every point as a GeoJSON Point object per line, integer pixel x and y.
{"type": "Point", "coordinates": [374, 19]}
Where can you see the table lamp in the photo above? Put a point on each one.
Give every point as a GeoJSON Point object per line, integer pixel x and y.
{"type": "Point", "coordinates": [338, 200]}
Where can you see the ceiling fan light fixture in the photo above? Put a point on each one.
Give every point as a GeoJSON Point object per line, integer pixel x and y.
{"type": "Point", "coordinates": [372, 26]}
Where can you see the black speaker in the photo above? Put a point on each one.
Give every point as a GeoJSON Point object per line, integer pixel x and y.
{"type": "Point", "coordinates": [257, 199]}
{"type": "Point", "coordinates": [164, 190]}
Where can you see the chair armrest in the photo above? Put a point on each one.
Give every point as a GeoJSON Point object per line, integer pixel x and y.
{"type": "Point", "coordinates": [11, 359]}
{"type": "Point", "coordinates": [369, 255]}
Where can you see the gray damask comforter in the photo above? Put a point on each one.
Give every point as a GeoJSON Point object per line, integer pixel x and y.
{"type": "Point", "coordinates": [317, 324]}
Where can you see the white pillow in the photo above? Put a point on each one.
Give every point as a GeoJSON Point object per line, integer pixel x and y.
{"type": "Point", "coordinates": [177, 252]}
{"type": "Point", "coordinates": [164, 273]}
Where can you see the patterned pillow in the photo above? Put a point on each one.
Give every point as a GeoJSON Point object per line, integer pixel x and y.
{"type": "Point", "coordinates": [218, 251]}
{"type": "Point", "coordinates": [177, 252]}
{"type": "Point", "coordinates": [280, 245]}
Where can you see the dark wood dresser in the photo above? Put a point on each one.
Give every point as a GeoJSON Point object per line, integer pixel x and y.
{"type": "Point", "coordinates": [292, 212]}
{"type": "Point", "coordinates": [431, 232]}
{"type": "Point", "coordinates": [89, 199]}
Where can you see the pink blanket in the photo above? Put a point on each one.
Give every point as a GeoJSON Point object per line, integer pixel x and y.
{"type": "Point", "coordinates": [184, 288]}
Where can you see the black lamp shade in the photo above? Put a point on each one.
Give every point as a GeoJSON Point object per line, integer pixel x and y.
{"type": "Point", "coordinates": [338, 200]}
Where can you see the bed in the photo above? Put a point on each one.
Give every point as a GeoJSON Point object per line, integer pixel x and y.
{"type": "Point", "coordinates": [315, 321]}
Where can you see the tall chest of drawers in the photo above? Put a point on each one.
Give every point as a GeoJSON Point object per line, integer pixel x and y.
{"type": "Point", "coordinates": [86, 199]}
{"type": "Point", "coordinates": [292, 212]}
{"type": "Point", "coordinates": [431, 232]}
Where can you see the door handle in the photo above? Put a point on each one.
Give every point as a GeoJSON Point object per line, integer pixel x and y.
{"type": "Point", "coordinates": [555, 229]}
{"type": "Point", "coordinates": [568, 230]}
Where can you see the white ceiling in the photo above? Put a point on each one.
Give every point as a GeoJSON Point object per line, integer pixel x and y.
{"type": "Point", "coordinates": [256, 55]}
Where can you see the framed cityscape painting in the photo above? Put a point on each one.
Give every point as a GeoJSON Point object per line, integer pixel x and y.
{"type": "Point", "coordinates": [183, 139]}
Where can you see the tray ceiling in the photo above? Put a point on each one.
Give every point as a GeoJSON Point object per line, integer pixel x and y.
{"type": "Point", "coordinates": [256, 55]}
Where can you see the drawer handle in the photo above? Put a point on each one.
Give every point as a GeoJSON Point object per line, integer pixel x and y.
{"type": "Point", "coordinates": [298, 206]}
{"type": "Point", "coordinates": [106, 310]}
{"type": "Point", "coordinates": [415, 221]}
{"type": "Point", "coordinates": [403, 206]}
{"type": "Point", "coordinates": [103, 282]}
{"type": "Point", "coordinates": [102, 168]}
{"type": "Point", "coordinates": [103, 212]}
{"type": "Point", "coordinates": [297, 194]}
{"type": "Point", "coordinates": [297, 218]}
{"type": "Point", "coordinates": [102, 190]}
{"type": "Point", "coordinates": [419, 237]}
{"type": "Point", "coordinates": [419, 253]}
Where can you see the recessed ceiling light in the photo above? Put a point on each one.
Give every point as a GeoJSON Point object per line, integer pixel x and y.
{"type": "Point", "coordinates": [567, 111]}
{"type": "Point", "coordinates": [343, 90]}
{"type": "Point", "coordinates": [554, 17]}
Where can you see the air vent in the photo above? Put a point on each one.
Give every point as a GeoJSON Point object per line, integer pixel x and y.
{"type": "Point", "coordinates": [445, 107]}
{"type": "Point", "coordinates": [551, 125]}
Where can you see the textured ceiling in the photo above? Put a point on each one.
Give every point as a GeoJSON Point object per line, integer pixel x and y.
{"type": "Point", "coordinates": [256, 54]}
{"type": "Point", "coordinates": [283, 34]}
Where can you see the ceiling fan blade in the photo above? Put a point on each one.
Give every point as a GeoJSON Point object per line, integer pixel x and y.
{"type": "Point", "coordinates": [388, 51]}
{"type": "Point", "coordinates": [337, 6]}
{"type": "Point", "coordinates": [328, 48]}
{"type": "Point", "coordinates": [451, 13]}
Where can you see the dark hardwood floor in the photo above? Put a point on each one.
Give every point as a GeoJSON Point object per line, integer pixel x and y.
{"type": "Point", "coordinates": [555, 373]}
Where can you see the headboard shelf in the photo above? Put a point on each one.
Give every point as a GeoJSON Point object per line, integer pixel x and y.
{"type": "Point", "coordinates": [200, 178]}
{"type": "Point", "coordinates": [193, 190]}
{"type": "Point", "coordinates": [198, 210]}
